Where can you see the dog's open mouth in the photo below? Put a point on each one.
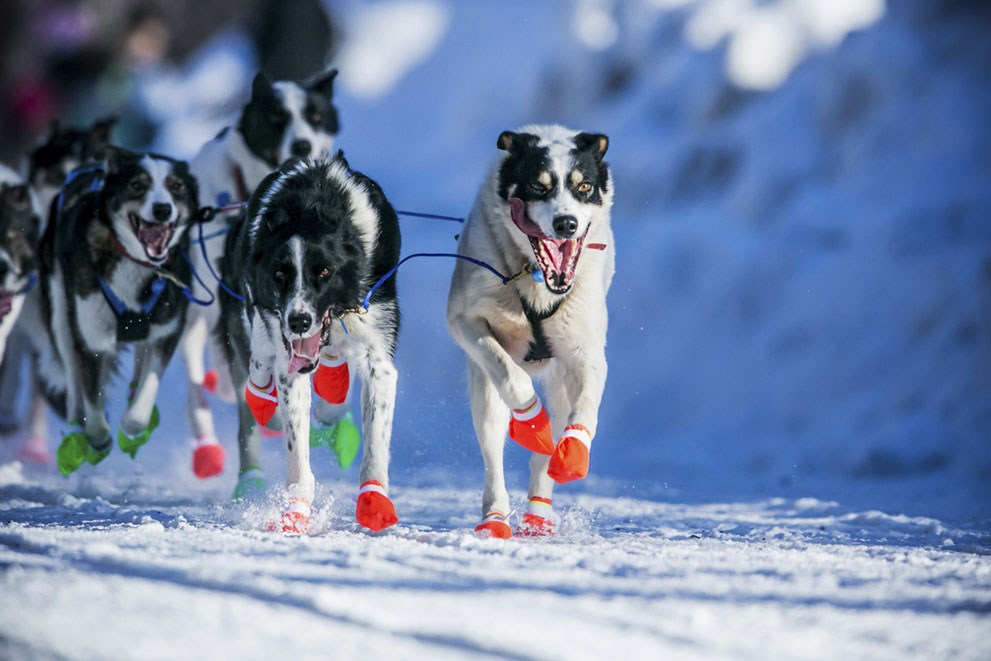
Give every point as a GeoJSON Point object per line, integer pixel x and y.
{"type": "Point", "coordinates": [556, 258]}
{"type": "Point", "coordinates": [305, 351]}
{"type": "Point", "coordinates": [154, 237]}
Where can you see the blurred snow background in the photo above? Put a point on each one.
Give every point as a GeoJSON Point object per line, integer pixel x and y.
{"type": "Point", "coordinates": [802, 303]}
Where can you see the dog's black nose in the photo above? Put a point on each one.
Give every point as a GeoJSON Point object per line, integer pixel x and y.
{"type": "Point", "coordinates": [565, 226]}
{"type": "Point", "coordinates": [301, 148]}
{"type": "Point", "coordinates": [300, 322]}
{"type": "Point", "coordinates": [162, 211]}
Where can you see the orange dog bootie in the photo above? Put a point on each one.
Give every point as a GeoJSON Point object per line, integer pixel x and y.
{"type": "Point", "coordinates": [375, 511]}
{"type": "Point", "coordinates": [331, 379]}
{"type": "Point", "coordinates": [296, 521]}
{"type": "Point", "coordinates": [263, 402]}
{"type": "Point", "coordinates": [531, 428]}
{"type": "Point", "coordinates": [539, 519]}
{"type": "Point", "coordinates": [570, 458]}
{"type": "Point", "coordinates": [208, 457]}
{"type": "Point", "coordinates": [494, 525]}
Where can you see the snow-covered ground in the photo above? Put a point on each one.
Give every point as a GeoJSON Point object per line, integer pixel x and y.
{"type": "Point", "coordinates": [794, 456]}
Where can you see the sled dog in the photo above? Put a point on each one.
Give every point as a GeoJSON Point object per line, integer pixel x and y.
{"type": "Point", "coordinates": [282, 121]}
{"type": "Point", "coordinates": [20, 226]}
{"type": "Point", "coordinates": [317, 237]}
{"type": "Point", "coordinates": [543, 215]}
{"type": "Point", "coordinates": [111, 276]}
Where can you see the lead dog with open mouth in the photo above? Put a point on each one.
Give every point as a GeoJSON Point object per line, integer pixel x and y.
{"type": "Point", "coordinates": [318, 236]}
{"type": "Point", "coordinates": [543, 214]}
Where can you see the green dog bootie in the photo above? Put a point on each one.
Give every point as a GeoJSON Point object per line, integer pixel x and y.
{"type": "Point", "coordinates": [72, 451]}
{"type": "Point", "coordinates": [75, 450]}
{"type": "Point", "coordinates": [250, 485]}
{"type": "Point", "coordinates": [343, 439]}
{"type": "Point", "coordinates": [130, 444]}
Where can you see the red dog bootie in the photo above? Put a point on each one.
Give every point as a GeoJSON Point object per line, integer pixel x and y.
{"type": "Point", "coordinates": [263, 402]}
{"type": "Point", "coordinates": [208, 457]}
{"type": "Point", "coordinates": [296, 521]}
{"type": "Point", "coordinates": [494, 525]}
{"type": "Point", "coordinates": [331, 379]}
{"type": "Point", "coordinates": [539, 519]}
{"type": "Point", "coordinates": [375, 511]}
{"type": "Point", "coordinates": [570, 458]}
{"type": "Point", "coordinates": [531, 428]}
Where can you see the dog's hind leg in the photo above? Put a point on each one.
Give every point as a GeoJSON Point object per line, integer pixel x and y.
{"type": "Point", "coordinates": [490, 416]}
{"type": "Point", "coordinates": [539, 519]}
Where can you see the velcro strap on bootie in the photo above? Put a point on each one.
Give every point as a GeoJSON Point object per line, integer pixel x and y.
{"type": "Point", "coordinates": [531, 428]}
{"type": "Point", "coordinates": [332, 378]}
{"type": "Point", "coordinates": [263, 402]}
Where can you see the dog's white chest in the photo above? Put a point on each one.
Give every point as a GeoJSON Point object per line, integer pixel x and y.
{"type": "Point", "coordinates": [97, 323]}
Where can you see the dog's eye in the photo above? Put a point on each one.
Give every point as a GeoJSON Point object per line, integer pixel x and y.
{"type": "Point", "coordinates": [281, 275]}
{"type": "Point", "coordinates": [177, 187]}
{"type": "Point", "coordinates": [324, 273]}
{"type": "Point", "coordinates": [585, 187]}
{"type": "Point", "coordinates": [137, 186]}
{"type": "Point", "coordinates": [316, 118]}
{"type": "Point", "coordinates": [537, 187]}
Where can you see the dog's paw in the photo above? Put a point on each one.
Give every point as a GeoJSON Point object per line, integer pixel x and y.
{"type": "Point", "coordinates": [569, 461]}
{"type": "Point", "coordinates": [129, 443]}
{"type": "Point", "coordinates": [295, 521]}
{"type": "Point", "coordinates": [250, 485]}
{"type": "Point", "coordinates": [531, 428]}
{"type": "Point", "coordinates": [494, 525]}
{"type": "Point", "coordinates": [375, 511]}
{"type": "Point", "coordinates": [76, 449]}
{"type": "Point", "coordinates": [539, 519]}
{"type": "Point", "coordinates": [208, 458]}
{"type": "Point", "coordinates": [332, 378]}
{"type": "Point", "coordinates": [263, 402]}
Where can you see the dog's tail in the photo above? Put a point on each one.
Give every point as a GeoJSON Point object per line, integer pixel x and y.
{"type": "Point", "coordinates": [51, 377]}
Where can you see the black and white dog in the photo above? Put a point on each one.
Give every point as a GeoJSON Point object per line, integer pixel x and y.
{"type": "Point", "coordinates": [60, 151]}
{"type": "Point", "coordinates": [282, 121]}
{"type": "Point", "coordinates": [317, 238]}
{"type": "Point", "coordinates": [20, 227]}
{"type": "Point", "coordinates": [542, 214]}
{"type": "Point", "coordinates": [110, 277]}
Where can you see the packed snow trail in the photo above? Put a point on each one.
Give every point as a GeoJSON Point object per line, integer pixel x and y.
{"type": "Point", "coordinates": [143, 573]}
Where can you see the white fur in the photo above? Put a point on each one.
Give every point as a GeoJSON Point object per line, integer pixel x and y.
{"type": "Point", "coordinates": [486, 319]}
{"type": "Point", "coordinates": [14, 281]}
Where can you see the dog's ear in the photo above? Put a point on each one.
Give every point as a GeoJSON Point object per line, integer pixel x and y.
{"type": "Point", "coordinates": [324, 83]}
{"type": "Point", "coordinates": [101, 129]}
{"type": "Point", "coordinates": [273, 218]}
{"type": "Point", "coordinates": [596, 143]}
{"type": "Point", "coordinates": [339, 157]}
{"type": "Point", "coordinates": [514, 143]}
{"type": "Point", "coordinates": [261, 86]}
{"type": "Point", "coordinates": [112, 157]}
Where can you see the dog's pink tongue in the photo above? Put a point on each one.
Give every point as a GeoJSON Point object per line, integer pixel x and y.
{"type": "Point", "coordinates": [517, 210]}
{"type": "Point", "coordinates": [304, 352]}
{"type": "Point", "coordinates": [154, 236]}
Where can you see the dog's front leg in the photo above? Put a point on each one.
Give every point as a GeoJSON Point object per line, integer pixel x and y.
{"type": "Point", "coordinates": [584, 380]}
{"type": "Point", "coordinates": [140, 419]}
{"type": "Point", "coordinates": [379, 377]}
{"type": "Point", "coordinates": [529, 425]}
{"type": "Point", "coordinates": [294, 404]}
